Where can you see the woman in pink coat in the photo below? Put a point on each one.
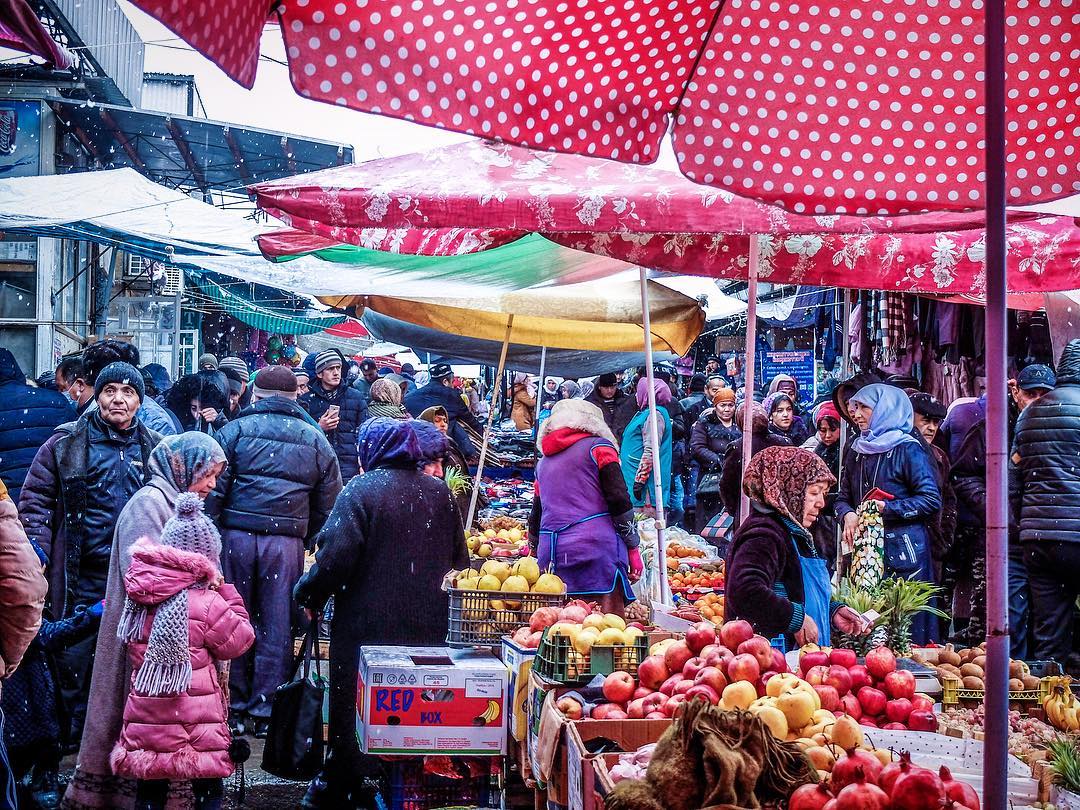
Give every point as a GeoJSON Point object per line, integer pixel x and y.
{"type": "Point", "coordinates": [180, 621]}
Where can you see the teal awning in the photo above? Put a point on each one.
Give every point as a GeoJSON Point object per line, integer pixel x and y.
{"type": "Point", "coordinates": [249, 304]}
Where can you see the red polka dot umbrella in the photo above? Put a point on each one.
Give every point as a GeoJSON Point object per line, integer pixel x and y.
{"type": "Point", "coordinates": [836, 106]}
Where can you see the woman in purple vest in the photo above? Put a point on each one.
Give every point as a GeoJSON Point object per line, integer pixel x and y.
{"type": "Point", "coordinates": [582, 522]}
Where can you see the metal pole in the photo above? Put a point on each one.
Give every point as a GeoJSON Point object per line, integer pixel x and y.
{"type": "Point", "coordinates": [995, 763]}
{"type": "Point", "coordinates": [845, 372]}
{"type": "Point", "coordinates": [654, 439]}
{"type": "Point", "coordinates": [749, 370]}
{"type": "Point", "coordinates": [539, 392]}
{"type": "Point", "coordinates": [496, 392]}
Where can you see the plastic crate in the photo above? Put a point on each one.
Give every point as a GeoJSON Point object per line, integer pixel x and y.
{"type": "Point", "coordinates": [411, 787]}
{"type": "Point", "coordinates": [558, 661]}
{"type": "Point", "coordinates": [953, 692]}
{"type": "Point", "coordinates": [482, 618]}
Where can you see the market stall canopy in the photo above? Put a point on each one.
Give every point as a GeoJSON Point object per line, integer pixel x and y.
{"type": "Point", "coordinates": [559, 297]}
{"type": "Point", "coordinates": [480, 184]}
{"type": "Point", "coordinates": [440, 345]}
{"type": "Point", "coordinates": [428, 202]}
{"type": "Point", "coordinates": [262, 307]}
{"type": "Point", "coordinates": [120, 207]}
{"type": "Point", "coordinates": [824, 107]}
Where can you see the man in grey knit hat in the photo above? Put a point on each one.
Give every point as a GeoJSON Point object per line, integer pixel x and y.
{"type": "Point", "coordinates": [273, 497]}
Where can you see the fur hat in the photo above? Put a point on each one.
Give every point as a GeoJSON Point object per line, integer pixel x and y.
{"type": "Point", "coordinates": [578, 415]}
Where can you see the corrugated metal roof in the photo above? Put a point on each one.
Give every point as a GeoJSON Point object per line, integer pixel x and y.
{"type": "Point", "coordinates": [104, 35]}
{"type": "Point", "coordinates": [194, 152]}
{"type": "Point", "coordinates": [174, 95]}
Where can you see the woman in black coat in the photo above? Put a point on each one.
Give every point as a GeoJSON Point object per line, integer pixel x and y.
{"type": "Point", "coordinates": [886, 456]}
{"type": "Point", "coordinates": [199, 401]}
{"type": "Point", "coordinates": [391, 537]}
{"type": "Point", "coordinates": [776, 580]}
{"type": "Point", "coordinates": [710, 437]}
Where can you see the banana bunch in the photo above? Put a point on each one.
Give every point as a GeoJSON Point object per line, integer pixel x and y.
{"type": "Point", "coordinates": [491, 713]}
{"type": "Point", "coordinates": [1061, 707]}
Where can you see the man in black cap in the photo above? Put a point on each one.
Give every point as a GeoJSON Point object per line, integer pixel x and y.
{"type": "Point", "coordinates": [409, 373]}
{"type": "Point", "coordinates": [712, 365]}
{"type": "Point", "coordinates": [607, 397]}
{"type": "Point", "coordinates": [369, 373]}
{"type": "Point", "coordinates": [440, 391]}
{"type": "Point", "coordinates": [270, 501]}
{"type": "Point", "coordinates": [79, 481]}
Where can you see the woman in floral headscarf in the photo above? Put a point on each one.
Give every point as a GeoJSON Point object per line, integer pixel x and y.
{"type": "Point", "coordinates": [187, 462]}
{"type": "Point", "coordinates": [776, 580]}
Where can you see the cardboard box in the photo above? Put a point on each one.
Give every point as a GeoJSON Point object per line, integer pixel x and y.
{"type": "Point", "coordinates": [430, 700]}
{"type": "Point", "coordinates": [519, 662]}
{"type": "Point", "coordinates": [583, 768]}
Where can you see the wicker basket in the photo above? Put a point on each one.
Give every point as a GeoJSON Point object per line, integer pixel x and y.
{"type": "Point", "coordinates": [482, 618]}
{"type": "Point", "coordinates": [558, 661]}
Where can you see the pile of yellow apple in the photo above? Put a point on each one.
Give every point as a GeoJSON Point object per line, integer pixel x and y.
{"type": "Point", "coordinates": [498, 543]}
{"type": "Point", "coordinates": [524, 576]}
{"type": "Point", "coordinates": [586, 630]}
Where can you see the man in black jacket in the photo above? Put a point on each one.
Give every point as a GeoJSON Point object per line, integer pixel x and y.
{"type": "Point", "coordinates": [273, 497]}
{"type": "Point", "coordinates": [440, 391]}
{"type": "Point", "coordinates": [339, 409]}
{"type": "Point", "coordinates": [969, 484]}
{"type": "Point", "coordinates": [80, 480]}
{"type": "Point", "coordinates": [28, 416]}
{"type": "Point", "coordinates": [1044, 490]}
{"type": "Point", "coordinates": [607, 397]}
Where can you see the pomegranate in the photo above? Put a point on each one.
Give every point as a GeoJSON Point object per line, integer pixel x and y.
{"type": "Point", "coordinates": [918, 789]}
{"type": "Point", "coordinates": [810, 797]}
{"type": "Point", "coordinates": [893, 771]}
{"type": "Point", "coordinates": [861, 794]}
{"type": "Point", "coordinates": [843, 772]}
{"type": "Point", "coordinates": [960, 792]}
{"type": "Point", "coordinates": [922, 721]}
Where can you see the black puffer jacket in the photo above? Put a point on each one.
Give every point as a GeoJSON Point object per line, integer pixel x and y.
{"type": "Point", "coordinates": [282, 476]}
{"type": "Point", "coordinates": [1045, 484]}
{"type": "Point", "coordinates": [352, 413]}
{"type": "Point", "coordinates": [709, 440]}
{"type": "Point", "coordinates": [28, 416]}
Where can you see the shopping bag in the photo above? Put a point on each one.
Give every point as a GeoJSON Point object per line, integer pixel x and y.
{"type": "Point", "coordinates": [294, 740]}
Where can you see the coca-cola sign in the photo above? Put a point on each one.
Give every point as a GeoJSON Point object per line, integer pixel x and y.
{"type": "Point", "coordinates": [9, 130]}
{"type": "Point", "coordinates": [20, 138]}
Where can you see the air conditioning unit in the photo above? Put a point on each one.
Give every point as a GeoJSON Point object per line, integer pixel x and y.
{"type": "Point", "coordinates": [174, 279]}
{"type": "Point", "coordinates": [134, 267]}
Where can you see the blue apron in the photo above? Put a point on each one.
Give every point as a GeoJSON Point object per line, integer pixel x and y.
{"type": "Point", "coordinates": [817, 593]}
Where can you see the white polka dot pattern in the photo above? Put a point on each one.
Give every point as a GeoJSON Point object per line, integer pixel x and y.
{"type": "Point", "coordinates": [877, 107]}
{"type": "Point", "coordinates": [838, 106]}
{"type": "Point", "coordinates": [227, 32]}
{"type": "Point", "coordinates": [573, 75]}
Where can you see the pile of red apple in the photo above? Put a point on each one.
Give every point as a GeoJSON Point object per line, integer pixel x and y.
{"type": "Point", "coordinates": [875, 694]}
{"type": "Point", "coordinates": [681, 670]}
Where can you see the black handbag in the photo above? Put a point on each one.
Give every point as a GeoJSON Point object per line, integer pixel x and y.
{"type": "Point", "coordinates": [294, 740]}
{"type": "Point", "coordinates": [709, 484]}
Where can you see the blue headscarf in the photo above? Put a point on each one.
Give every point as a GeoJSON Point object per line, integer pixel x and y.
{"type": "Point", "coordinates": [891, 421]}
{"type": "Point", "coordinates": [185, 459]}
{"type": "Point", "coordinates": [386, 442]}
{"type": "Point", "coordinates": [433, 443]}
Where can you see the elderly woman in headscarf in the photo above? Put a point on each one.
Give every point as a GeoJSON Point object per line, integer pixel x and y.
{"type": "Point", "coordinates": [386, 400]}
{"type": "Point", "coordinates": [732, 471]}
{"type": "Point", "coordinates": [187, 462]}
{"type": "Point", "coordinates": [640, 462]}
{"type": "Point", "coordinates": [392, 535]}
{"type": "Point", "coordinates": [889, 466]}
{"type": "Point", "coordinates": [776, 579]}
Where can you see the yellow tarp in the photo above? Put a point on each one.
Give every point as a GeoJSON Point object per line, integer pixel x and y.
{"type": "Point", "coordinates": [600, 315]}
